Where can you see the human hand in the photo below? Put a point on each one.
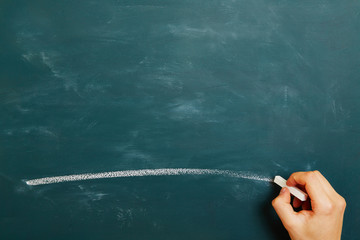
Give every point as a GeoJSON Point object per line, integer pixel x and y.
{"type": "Point", "coordinates": [321, 216]}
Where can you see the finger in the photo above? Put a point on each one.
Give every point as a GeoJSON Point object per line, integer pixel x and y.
{"type": "Point", "coordinates": [301, 187]}
{"type": "Point", "coordinates": [283, 208]}
{"type": "Point", "coordinates": [312, 184]}
{"type": "Point", "coordinates": [306, 205]}
{"type": "Point", "coordinates": [327, 186]}
{"type": "Point", "coordinates": [297, 203]}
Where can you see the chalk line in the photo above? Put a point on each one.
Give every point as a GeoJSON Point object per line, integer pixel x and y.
{"type": "Point", "coordinates": [146, 172]}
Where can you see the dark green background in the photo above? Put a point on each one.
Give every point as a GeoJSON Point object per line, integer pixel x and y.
{"type": "Point", "coordinates": [268, 87]}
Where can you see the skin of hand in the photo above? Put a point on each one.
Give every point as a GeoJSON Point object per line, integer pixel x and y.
{"type": "Point", "coordinates": [322, 214]}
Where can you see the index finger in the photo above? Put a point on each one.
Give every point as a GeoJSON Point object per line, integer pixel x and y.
{"type": "Point", "coordinates": [312, 184]}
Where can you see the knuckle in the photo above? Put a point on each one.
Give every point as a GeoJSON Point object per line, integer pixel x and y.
{"type": "Point", "coordinates": [311, 175]}
{"type": "Point", "coordinates": [342, 203]}
{"type": "Point", "coordinates": [328, 207]}
{"type": "Point", "coordinates": [273, 203]}
{"type": "Point", "coordinates": [335, 205]}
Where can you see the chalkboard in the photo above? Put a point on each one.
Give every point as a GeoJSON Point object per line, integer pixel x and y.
{"type": "Point", "coordinates": [189, 105]}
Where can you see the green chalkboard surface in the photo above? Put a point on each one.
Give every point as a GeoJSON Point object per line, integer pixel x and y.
{"type": "Point", "coordinates": [191, 105]}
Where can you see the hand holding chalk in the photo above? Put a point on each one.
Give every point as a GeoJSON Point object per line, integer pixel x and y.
{"type": "Point", "coordinates": [293, 190]}
{"type": "Point", "coordinates": [322, 219]}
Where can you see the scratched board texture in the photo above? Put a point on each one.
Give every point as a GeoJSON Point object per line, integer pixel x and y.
{"type": "Point", "coordinates": [264, 87]}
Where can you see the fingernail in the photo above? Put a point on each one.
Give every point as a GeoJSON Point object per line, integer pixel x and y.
{"type": "Point", "coordinates": [283, 190]}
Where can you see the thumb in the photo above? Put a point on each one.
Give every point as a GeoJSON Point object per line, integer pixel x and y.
{"type": "Point", "coordinates": [283, 207]}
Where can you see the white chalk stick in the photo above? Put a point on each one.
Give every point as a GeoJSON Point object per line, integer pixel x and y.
{"type": "Point", "coordinates": [293, 190]}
